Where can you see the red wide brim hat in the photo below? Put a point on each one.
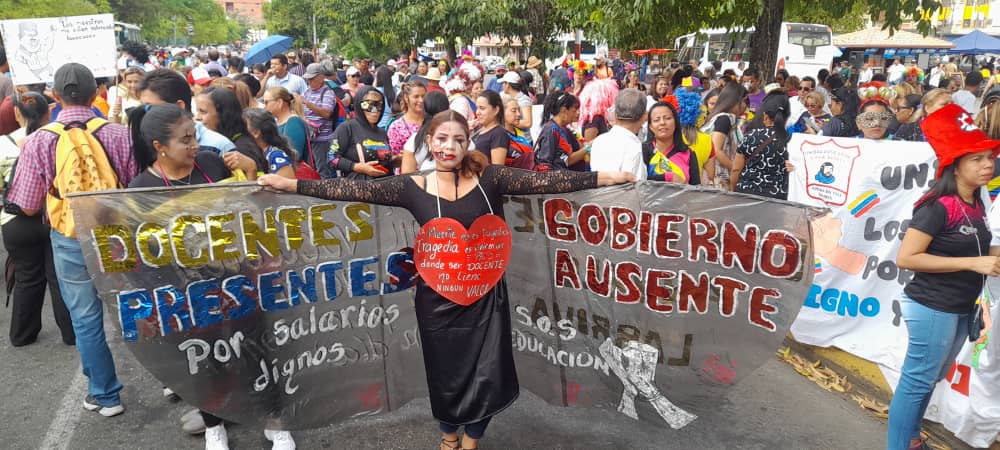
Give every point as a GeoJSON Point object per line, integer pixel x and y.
{"type": "Point", "coordinates": [953, 133]}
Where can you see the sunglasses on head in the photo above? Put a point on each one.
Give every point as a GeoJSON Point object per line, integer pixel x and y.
{"type": "Point", "coordinates": [372, 106]}
{"type": "Point", "coordinates": [871, 119]}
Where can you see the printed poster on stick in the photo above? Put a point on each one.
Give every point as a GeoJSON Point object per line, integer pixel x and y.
{"type": "Point", "coordinates": [37, 47]}
{"type": "Point", "coordinates": [854, 301]}
{"type": "Point", "coordinates": [293, 312]}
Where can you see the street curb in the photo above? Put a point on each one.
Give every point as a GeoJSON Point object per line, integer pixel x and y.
{"type": "Point", "coordinates": [866, 378]}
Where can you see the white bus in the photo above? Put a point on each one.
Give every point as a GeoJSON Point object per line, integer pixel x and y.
{"type": "Point", "coordinates": [589, 50]}
{"type": "Point", "coordinates": [125, 32]}
{"type": "Point", "coordinates": [803, 48]}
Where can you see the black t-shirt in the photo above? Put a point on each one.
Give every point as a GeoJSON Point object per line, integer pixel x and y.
{"type": "Point", "coordinates": [955, 227]}
{"type": "Point", "coordinates": [598, 122]}
{"type": "Point", "coordinates": [764, 171]}
{"type": "Point", "coordinates": [352, 136]}
{"type": "Point", "coordinates": [723, 125]}
{"type": "Point", "coordinates": [209, 169]}
{"type": "Point", "coordinates": [491, 139]}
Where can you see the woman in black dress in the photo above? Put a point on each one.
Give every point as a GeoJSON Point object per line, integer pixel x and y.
{"type": "Point", "coordinates": [467, 349]}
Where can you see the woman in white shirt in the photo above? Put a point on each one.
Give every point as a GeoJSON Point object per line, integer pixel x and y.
{"type": "Point", "coordinates": [123, 97]}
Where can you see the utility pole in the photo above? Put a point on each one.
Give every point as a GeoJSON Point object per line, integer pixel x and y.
{"type": "Point", "coordinates": [174, 42]}
{"type": "Point", "coordinates": [579, 38]}
{"type": "Point", "coordinates": [314, 31]}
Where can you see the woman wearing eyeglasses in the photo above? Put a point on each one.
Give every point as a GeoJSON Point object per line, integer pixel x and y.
{"type": "Point", "coordinates": [814, 118]}
{"type": "Point", "coordinates": [360, 149]}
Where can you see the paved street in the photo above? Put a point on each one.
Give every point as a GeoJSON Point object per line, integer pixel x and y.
{"type": "Point", "coordinates": [774, 408]}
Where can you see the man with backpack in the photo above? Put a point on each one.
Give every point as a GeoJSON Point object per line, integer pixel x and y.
{"type": "Point", "coordinates": [79, 152]}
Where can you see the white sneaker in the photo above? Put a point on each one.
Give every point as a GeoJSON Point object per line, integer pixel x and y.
{"type": "Point", "coordinates": [216, 439]}
{"type": "Point", "coordinates": [190, 415]}
{"type": "Point", "coordinates": [193, 423]}
{"type": "Point", "coordinates": [282, 439]}
{"type": "Point", "coordinates": [169, 393]}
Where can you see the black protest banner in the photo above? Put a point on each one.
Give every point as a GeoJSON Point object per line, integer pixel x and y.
{"type": "Point", "coordinates": [294, 312]}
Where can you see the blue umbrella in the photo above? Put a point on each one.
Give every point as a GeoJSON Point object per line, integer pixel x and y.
{"type": "Point", "coordinates": [262, 51]}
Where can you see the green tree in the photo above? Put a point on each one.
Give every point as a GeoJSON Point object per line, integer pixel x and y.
{"type": "Point", "coordinates": [654, 23]}
{"type": "Point", "coordinates": [22, 9]}
{"type": "Point", "coordinates": [407, 23]}
{"type": "Point", "coordinates": [294, 18]}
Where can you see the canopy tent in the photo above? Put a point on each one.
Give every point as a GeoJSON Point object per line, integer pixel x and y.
{"type": "Point", "coordinates": [644, 59]}
{"type": "Point", "coordinates": [976, 43]}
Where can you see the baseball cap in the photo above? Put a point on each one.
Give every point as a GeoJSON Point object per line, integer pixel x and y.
{"type": "Point", "coordinates": [313, 70]}
{"type": "Point", "coordinates": [74, 81]}
{"type": "Point", "coordinates": [391, 63]}
{"type": "Point", "coordinates": [511, 77]}
{"type": "Point", "coordinates": [352, 71]}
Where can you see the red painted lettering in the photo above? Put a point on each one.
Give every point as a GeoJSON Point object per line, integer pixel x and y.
{"type": "Point", "coordinates": [960, 383]}
{"type": "Point", "coordinates": [666, 236]}
{"type": "Point", "coordinates": [728, 287]}
{"type": "Point", "coordinates": [655, 291]}
{"type": "Point", "coordinates": [565, 269]}
{"type": "Point", "coordinates": [702, 234]}
{"type": "Point", "coordinates": [627, 288]}
{"type": "Point", "coordinates": [589, 214]}
{"type": "Point", "coordinates": [790, 254]}
{"type": "Point", "coordinates": [600, 286]}
{"type": "Point", "coordinates": [623, 223]}
{"type": "Point", "coordinates": [645, 231]}
{"type": "Point", "coordinates": [737, 247]}
{"type": "Point", "coordinates": [693, 292]}
{"type": "Point", "coordinates": [556, 230]}
{"type": "Point", "coordinates": [759, 307]}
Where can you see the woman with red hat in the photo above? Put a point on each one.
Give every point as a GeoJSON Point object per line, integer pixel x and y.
{"type": "Point", "coordinates": [947, 246]}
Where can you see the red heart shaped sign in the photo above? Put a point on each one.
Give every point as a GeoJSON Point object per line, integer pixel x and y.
{"type": "Point", "coordinates": [462, 265]}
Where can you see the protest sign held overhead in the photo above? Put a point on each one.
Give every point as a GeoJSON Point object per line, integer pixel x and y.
{"type": "Point", "coordinates": [37, 47]}
{"type": "Point", "coordinates": [297, 312]}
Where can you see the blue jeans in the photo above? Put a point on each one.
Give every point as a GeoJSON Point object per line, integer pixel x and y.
{"type": "Point", "coordinates": [935, 340]}
{"type": "Point", "coordinates": [87, 312]}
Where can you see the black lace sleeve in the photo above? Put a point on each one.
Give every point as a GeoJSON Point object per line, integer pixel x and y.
{"type": "Point", "coordinates": [511, 181]}
{"type": "Point", "coordinates": [389, 191]}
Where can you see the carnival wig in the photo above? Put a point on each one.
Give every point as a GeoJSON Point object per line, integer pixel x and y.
{"type": "Point", "coordinates": [596, 98]}
{"type": "Point", "coordinates": [581, 66]}
{"type": "Point", "coordinates": [463, 78]}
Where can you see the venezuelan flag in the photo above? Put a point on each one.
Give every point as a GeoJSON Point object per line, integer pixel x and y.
{"type": "Point", "coordinates": [994, 187]}
{"type": "Point", "coordinates": [819, 266]}
{"type": "Point", "coordinates": [865, 202]}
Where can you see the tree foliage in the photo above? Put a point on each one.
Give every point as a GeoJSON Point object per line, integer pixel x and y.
{"type": "Point", "coordinates": [23, 9]}
{"type": "Point", "coordinates": [630, 24]}
{"type": "Point", "coordinates": [155, 16]}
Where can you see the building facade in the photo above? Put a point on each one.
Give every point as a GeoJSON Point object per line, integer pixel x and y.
{"type": "Point", "coordinates": [250, 12]}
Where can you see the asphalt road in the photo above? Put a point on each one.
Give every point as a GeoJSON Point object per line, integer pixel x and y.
{"type": "Point", "coordinates": [774, 408]}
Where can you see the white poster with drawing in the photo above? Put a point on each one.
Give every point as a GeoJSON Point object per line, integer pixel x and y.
{"type": "Point", "coordinates": [37, 47]}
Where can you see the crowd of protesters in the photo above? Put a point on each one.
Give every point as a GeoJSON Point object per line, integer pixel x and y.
{"type": "Point", "coordinates": [187, 117]}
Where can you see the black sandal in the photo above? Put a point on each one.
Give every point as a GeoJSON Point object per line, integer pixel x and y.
{"type": "Point", "coordinates": [446, 443]}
